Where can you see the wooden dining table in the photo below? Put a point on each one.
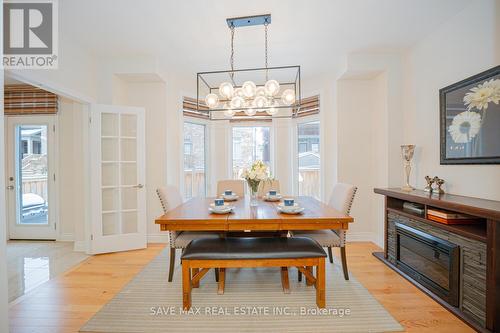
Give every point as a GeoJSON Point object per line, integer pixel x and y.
{"type": "Point", "coordinates": [194, 215]}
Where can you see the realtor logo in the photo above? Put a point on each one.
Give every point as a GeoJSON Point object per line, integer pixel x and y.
{"type": "Point", "coordinates": [30, 34]}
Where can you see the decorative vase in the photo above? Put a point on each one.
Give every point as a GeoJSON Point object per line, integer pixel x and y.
{"type": "Point", "coordinates": [407, 154]}
{"type": "Point", "coordinates": [253, 197]}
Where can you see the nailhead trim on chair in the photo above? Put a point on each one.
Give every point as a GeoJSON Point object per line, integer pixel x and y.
{"type": "Point", "coordinates": [172, 235]}
{"type": "Point", "coordinates": [342, 233]}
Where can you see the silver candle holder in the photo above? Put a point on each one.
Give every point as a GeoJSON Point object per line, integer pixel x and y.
{"type": "Point", "coordinates": [407, 154]}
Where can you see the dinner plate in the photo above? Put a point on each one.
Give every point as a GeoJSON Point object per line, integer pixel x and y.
{"type": "Point", "coordinates": [296, 210]}
{"type": "Point", "coordinates": [276, 197]}
{"type": "Point", "coordinates": [223, 210]}
{"type": "Point", "coordinates": [233, 197]}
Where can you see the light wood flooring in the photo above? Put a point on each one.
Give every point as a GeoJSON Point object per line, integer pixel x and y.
{"type": "Point", "coordinates": [65, 303]}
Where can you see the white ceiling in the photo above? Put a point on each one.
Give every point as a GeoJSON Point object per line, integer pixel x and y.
{"type": "Point", "coordinates": [192, 35]}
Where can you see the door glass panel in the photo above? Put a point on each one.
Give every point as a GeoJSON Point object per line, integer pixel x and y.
{"type": "Point", "coordinates": [250, 144]}
{"type": "Point", "coordinates": [32, 174]}
{"type": "Point", "coordinates": [119, 174]}
{"type": "Point", "coordinates": [309, 159]}
{"type": "Point", "coordinates": [129, 125]}
{"type": "Point", "coordinates": [109, 124]}
{"type": "Point", "coordinates": [110, 224]}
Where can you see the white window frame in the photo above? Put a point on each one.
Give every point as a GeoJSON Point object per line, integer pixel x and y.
{"type": "Point", "coordinates": [272, 143]}
{"type": "Point", "coordinates": [206, 123]}
{"type": "Point", "coordinates": [295, 150]}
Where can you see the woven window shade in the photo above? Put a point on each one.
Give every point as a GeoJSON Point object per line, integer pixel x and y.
{"type": "Point", "coordinates": [189, 108]}
{"type": "Point", "coordinates": [309, 106]}
{"type": "Point", "coordinates": [20, 99]}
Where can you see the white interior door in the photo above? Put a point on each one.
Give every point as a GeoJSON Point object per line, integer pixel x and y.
{"type": "Point", "coordinates": [118, 195]}
{"type": "Point", "coordinates": [31, 177]}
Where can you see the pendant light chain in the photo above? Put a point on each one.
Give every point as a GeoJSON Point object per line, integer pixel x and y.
{"type": "Point", "coordinates": [265, 38]}
{"type": "Point", "coordinates": [231, 58]}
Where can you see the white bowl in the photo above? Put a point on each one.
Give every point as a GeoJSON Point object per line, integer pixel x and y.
{"type": "Point", "coordinates": [276, 197]}
{"type": "Point", "coordinates": [220, 209]}
{"type": "Point", "coordinates": [290, 210]}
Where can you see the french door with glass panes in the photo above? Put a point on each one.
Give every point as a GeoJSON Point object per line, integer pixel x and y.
{"type": "Point", "coordinates": [118, 195]}
{"type": "Point", "coordinates": [31, 177]}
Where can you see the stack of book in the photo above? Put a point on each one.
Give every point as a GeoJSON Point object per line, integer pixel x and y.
{"type": "Point", "coordinates": [446, 217]}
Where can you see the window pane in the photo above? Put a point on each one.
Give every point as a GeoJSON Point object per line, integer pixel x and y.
{"type": "Point", "coordinates": [309, 159]}
{"type": "Point", "coordinates": [250, 144]}
{"type": "Point", "coordinates": [194, 160]}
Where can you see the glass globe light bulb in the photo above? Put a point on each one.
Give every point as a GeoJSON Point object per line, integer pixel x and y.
{"type": "Point", "coordinates": [273, 110]}
{"type": "Point", "coordinates": [249, 89]}
{"type": "Point", "coordinates": [239, 92]}
{"type": "Point", "coordinates": [260, 91]}
{"type": "Point", "coordinates": [229, 113]}
{"type": "Point", "coordinates": [212, 101]}
{"type": "Point", "coordinates": [288, 97]}
{"type": "Point", "coordinates": [260, 102]}
{"type": "Point", "coordinates": [272, 87]}
{"type": "Point", "coordinates": [226, 90]}
{"type": "Point", "coordinates": [250, 112]}
{"type": "Point", "coordinates": [237, 102]}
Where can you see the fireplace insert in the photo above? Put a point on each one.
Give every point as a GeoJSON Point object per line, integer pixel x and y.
{"type": "Point", "coordinates": [429, 260]}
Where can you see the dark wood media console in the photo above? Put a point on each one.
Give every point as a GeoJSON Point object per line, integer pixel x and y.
{"type": "Point", "coordinates": [457, 265]}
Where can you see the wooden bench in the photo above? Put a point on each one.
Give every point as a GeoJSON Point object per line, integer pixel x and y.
{"type": "Point", "coordinates": [235, 252]}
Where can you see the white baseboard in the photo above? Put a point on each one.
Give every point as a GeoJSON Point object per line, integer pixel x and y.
{"type": "Point", "coordinates": [66, 237]}
{"type": "Point", "coordinates": [360, 236]}
{"type": "Point", "coordinates": [158, 238]}
{"type": "Point", "coordinates": [80, 246]}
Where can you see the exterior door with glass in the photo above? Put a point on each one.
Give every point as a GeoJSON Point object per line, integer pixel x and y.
{"type": "Point", "coordinates": [31, 177]}
{"type": "Point", "coordinates": [118, 195]}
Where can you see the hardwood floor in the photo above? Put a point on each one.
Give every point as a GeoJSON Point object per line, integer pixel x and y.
{"type": "Point", "coordinates": [65, 303]}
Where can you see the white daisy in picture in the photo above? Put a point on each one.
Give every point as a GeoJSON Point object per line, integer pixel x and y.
{"type": "Point", "coordinates": [465, 126]}
{"type": "Point", "coordinates": [479, 97]}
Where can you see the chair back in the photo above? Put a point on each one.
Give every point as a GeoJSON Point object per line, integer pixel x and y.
{"type": "Point", "coordinates": [170, 197]}
{"type": "Point", "coordinates": [342, 197]}
{"type": "Point", "coordinates": [266, 186]}
{"type": "Point", "coordinates": [235, 185]}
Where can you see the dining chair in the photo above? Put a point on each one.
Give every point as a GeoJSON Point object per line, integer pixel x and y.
{"type": "Point", "coordinates": [341, 199]}
{"type": "Point", "coordinates": [235, 185]}
{"type": "Point", "coordinates": [170, 198]}
{"type": "Point", "coordinates": [266, 186]}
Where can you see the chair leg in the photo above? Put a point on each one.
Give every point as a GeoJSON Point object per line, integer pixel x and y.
{"type": "Point", "coordinates": [216, 270]}
{"type": "Point", "coordinates": [310, 269]}
{"type": "Point", "coordinates": [299, 276]}
{"type": "Point", "coordinates": [222, 281]}
{"type": "Point", "coordinates": [344, 262]}
{"type": "Point", "coordinates": [172, 264]}
{"type": "Point", "coordinates": [330, 256]}
{"type": "Point", "coordinates": [195, 271]}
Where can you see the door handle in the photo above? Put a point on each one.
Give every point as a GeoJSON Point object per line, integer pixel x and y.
{"type": "Point", "coordinates": [10, 187]}
{"type": "Point", "coordinates": [138, 186]}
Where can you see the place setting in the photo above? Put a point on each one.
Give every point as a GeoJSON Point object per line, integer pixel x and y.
{"type": "Point", "coordinates": [289, 206]}
{"type": "Point", "coordinates": [220, 207]}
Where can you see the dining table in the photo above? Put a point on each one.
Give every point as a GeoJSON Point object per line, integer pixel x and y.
{"type": "Point", "coordinates": [194, 215]}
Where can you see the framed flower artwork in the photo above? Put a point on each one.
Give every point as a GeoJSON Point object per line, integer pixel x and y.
{"type": "Point", "coordinates": [470, 120]}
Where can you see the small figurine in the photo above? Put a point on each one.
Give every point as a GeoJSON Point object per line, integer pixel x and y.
{"type": "Point", "coordinates": [428, 187]}
{"type": "Point", "coordinates": [439, 182]}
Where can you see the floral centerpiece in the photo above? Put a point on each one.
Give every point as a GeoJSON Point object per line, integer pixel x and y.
{"type": "Point", "coordinates": [257, 173]}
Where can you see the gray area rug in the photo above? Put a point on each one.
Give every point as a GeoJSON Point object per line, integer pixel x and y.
{"type": "Point", "coordinates": [253, 302]}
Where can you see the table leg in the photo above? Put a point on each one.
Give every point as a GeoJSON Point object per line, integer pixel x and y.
{"type": "Point", "coordinates": [222, 281]}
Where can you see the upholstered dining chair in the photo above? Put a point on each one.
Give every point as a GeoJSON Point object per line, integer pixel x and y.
{"type": "Point", "coordinates": [267, 186]}
{"type": "Point", "coordinates": [170, 198]}
{"type": "Point", "coordinates": [235, 185]}
{"type": "Point", "coordinates": [341, 199]}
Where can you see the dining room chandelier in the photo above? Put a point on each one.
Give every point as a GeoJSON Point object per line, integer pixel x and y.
{"type": "Point", "coordinates": [263, 92]}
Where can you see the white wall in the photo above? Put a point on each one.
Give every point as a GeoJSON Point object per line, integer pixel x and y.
{"type": "Point", "coordinates": [71, 171]}
{"type": "Point", "coordinates": [463, 46]}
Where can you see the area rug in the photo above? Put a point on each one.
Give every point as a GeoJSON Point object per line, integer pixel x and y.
{"type": "Point", "coordinates": [253, 302]}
